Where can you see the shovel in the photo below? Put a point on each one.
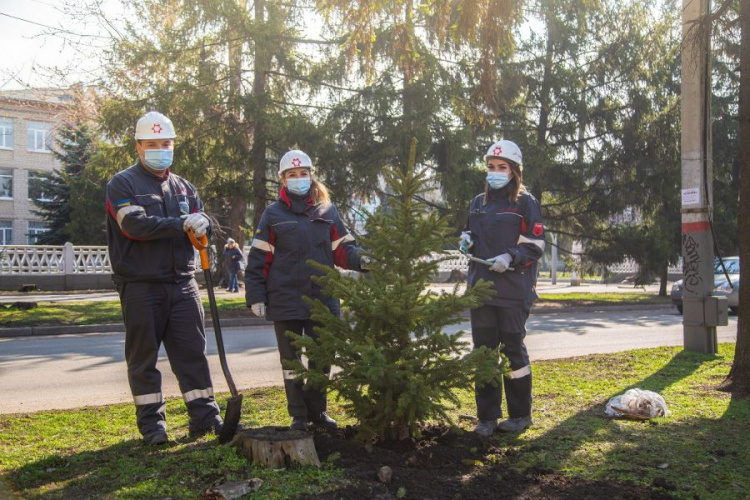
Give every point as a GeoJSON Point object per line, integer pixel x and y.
{"type": "Point", "coordinates": [234, 404]}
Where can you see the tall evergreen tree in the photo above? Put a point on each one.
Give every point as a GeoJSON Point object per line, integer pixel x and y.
{"type": "Point", "coordinates": [228, 74]}
{"type": "Point", "coordinates": [74, 150]}
{"type": "Point", "coordinates": [398, 368]}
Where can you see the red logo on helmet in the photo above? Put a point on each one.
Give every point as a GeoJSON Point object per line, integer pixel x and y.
{"type": "Point", "coordinates": [497, 151]}
{"type": "Point", "coordinates": [296, 162]}
{"type": "Point", "coordinates": [156, 129]}
{"type": "Point", "coordinates": [538, 229]}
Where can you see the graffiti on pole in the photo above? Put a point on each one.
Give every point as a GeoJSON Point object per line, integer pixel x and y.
{"type": "Point", "coordinates": [690, 263]}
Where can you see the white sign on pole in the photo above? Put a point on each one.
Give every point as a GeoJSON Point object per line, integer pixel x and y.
{"type": "Point", "coordinates": [691, 196]}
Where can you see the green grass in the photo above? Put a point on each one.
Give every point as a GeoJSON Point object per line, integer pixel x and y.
{"type": "Point", "coordinates": [702, 447]}
{"type": "Point", "coordinates": [108, 311]}
{"type": "Point", "coordinates": [623, 298]}
{"type": "Point", "coordinates": [92, 312]}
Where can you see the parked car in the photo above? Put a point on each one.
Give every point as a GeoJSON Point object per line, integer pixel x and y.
{"type": "Point", "coordinates": [732, 293]}
{"type": "Point", "coordinates": [721, 286]}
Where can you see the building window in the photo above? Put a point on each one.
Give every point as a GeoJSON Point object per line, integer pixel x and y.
{"type": "Point", "coordinates": [6, 133]}
{"type": "Point", "coordinates": [6, 184]}
{"type": "Point", "coordinates": [36, 229]}
{"type": "Point", "coordinates": [39, 137]}
{"type": "Point", "coordinates": [6, 232]}
{"type": "Point", "coordinates": [37, 183]}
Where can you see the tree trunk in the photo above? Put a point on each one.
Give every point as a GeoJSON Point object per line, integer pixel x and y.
{"type": "Point", "coordinates": [277, 447]}
{"type": "Point", "coordinates": [238, 200]}
{"type": "Point", "coordinates": [258, 150]}
{"type": "Point", "coordinates": [663, 281]}
{"type": "Point", "coordinates": [738, 380]}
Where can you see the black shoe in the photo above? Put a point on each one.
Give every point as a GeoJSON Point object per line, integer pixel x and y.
{"type": "Point", "coordinates": [214, 428]}
{"type": "Point", "coordinates": [323, 420]}
{"type": "Point", "coordinates": [298, 424]}
{"type": "Point", "coordinates": [156, 437]}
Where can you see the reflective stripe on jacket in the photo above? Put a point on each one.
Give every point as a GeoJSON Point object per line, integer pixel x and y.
{"type": "Point", "coordinates": [144, 229]}
{"type": "Point", "coordinates": [292, 231]}
{"type": "Point", "coordinates": [503, 227]}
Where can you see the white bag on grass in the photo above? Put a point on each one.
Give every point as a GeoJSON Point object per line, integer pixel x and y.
{"type": "Point", "coordinates": [638, 404]}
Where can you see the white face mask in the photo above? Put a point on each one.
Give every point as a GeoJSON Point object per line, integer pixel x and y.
{"type": "Point", "coordinates": [158, 159]}
{"type": "Point", "coordinates": [298, 185]}
{"type": "Point", "coordinates": [497, 180]}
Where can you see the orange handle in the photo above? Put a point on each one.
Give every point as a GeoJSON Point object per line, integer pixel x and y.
{"type": "Point", "coordinates": [200, 244]}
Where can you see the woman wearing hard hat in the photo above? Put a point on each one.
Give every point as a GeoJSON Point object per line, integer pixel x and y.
{"type": "Point", "coordinates": [505, 230]}
{"type": "Point", "coordinates": [301, 225]}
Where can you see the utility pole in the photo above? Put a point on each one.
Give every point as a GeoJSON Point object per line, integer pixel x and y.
{"type": "Point", "coordinates": [702, 313]}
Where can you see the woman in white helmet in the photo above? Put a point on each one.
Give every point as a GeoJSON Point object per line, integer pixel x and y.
{"type": "Point", "coordinates": [301, 225]}
{"type": "Point", "coordinates": [505, 229]}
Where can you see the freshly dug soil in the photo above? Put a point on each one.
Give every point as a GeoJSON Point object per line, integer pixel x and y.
{"type": "Point", "coordinates": [454, 465]}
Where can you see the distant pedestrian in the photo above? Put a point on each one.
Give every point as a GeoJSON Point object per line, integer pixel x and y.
{"type": "Point", "coordinates": [301, 225]}
{"type": "Point", "coordinates": [233, 261]}
{"type": "Point", "coordinates": [505, 228]}
{"type": "Point", "coordinates": [149, 210]}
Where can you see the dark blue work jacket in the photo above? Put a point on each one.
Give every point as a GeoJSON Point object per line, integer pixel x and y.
{"type": "Point", "coordinates": [293, 230]}
{"type": "Point", "coordinates": [499, 227]}
{"type": "Point", "coordinates": [145, 232]}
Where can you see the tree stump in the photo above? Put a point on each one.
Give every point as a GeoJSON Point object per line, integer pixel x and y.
{"type": "Point", "coordinates": [277, 447]}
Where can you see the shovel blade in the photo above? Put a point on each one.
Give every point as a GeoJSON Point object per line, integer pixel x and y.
{"type": "Point", "coordinates": [231, 419]}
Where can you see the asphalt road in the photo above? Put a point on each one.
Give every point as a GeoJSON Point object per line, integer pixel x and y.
{"type": "Point", "coordinates": [69, 371]}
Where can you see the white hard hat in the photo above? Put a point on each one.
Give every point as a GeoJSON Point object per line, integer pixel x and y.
{"type": "Point", "coordinates": [507, 150]}
{"type": "Point", "coordinates": [294, 159]}
{"type": "Point", "coordinates": [154, 125]}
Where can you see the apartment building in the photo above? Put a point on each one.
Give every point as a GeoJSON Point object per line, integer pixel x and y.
{"type": "Point", "coordinates": [28, 120]}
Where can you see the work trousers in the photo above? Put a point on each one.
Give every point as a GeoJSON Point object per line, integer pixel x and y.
{"type": "Point", "coordinates": [172, 314]}
{"type": "Point", "coordinates": [301, 401]}
{"type": "Point", "coordinates": [491, 326]}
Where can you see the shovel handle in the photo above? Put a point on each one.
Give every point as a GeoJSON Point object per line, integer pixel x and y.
{"type": "Point", "coordinates": [200, 244]}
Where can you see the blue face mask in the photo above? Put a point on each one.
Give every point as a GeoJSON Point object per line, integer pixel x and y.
{"type": "Point", "coordinates": [298, 185]}
{"type": "Point", "coordinates": [158, 159]}
{"type": "Point", "coordinates": [497, 180]}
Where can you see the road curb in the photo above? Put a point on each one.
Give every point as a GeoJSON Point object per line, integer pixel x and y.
{"type": "Point", "coordinates": [34, 331]}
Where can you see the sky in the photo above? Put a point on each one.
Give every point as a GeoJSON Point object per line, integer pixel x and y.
{"type": "Point", "coordinates": [30, 50]}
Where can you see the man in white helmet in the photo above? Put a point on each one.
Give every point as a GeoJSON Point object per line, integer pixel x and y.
{"type": "Point", "coordinates": [149, 211]}
{"type": "Point", "coordinates": [505, 229]}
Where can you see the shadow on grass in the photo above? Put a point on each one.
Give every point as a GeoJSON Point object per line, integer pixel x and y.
{"type": "Point", "coordinates": [706, 454]}
{"type": "Point", "coordinates": [181, 468]}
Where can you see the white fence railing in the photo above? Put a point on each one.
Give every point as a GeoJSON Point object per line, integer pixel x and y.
{"type": "Point", "coordinates": [48, 259]}
{"type": "Point", "coordinates": [69, 259]}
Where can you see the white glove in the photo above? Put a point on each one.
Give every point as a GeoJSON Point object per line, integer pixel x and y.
{"type": "Point", "coordinates": [465, 243]}
{"type": "Point", "coordinates": [197, 222]}
{"type": "Point", "coordinates": [500, 263]}
{"type": "Point", "coordinates": [364, 263]}
{"type": "Point", "coordinates": [259, 309]}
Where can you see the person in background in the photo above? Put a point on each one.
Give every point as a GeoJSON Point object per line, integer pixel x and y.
{"type": "Point", "coordinates": [233, 261]}
{"type": "Point", "coordinates": [149, 212]}
{"type": "Point", "coordinates": [504, 228]}
{"type": "Point", "coordinates": [301, 225]}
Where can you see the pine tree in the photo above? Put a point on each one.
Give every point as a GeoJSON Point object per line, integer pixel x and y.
{"type": "Point", "coordinates": [398, 368]}
{"type": "Point", "coordinates": [74, 150]}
